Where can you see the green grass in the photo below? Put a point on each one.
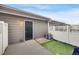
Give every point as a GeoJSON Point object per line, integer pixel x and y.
{"type": "Point", "coordinates": [59, 48]}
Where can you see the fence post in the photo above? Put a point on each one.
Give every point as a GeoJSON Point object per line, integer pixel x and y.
{"type": "Point", "coordinates": [53, 28]}
{"type": "Point", "coordinates": [68, 30]}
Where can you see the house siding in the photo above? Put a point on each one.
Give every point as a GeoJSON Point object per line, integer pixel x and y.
{"type": "Point", "coordinates": [40, 28]}
{"type": "Point", "coordinates": [16, 31]}
{"type": "Point", "coordinates": [16, 27]}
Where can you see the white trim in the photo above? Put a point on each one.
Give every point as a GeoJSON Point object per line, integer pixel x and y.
{"type": "Point", "coordinates": [48, 26]}
{"type": "Point", "coordinates": [24, 30]}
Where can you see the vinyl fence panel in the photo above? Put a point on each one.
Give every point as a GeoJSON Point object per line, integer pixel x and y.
{"type": "Point", "coordinates": [1, 37]}
{"type": "Point", "coordinates": [74, 38]}
{"type": "Point", "coordinates": [5, 36]}
{"type": "Point", "coordinates": [61, 34]}
{"type": "Point", "coordinates": [66, 34]}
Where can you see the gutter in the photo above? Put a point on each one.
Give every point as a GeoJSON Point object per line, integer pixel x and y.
{"type": "Point", "coordinates": [24, 16]}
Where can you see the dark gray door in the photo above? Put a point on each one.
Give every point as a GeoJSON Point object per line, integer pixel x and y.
{"type": "Point", "coordinates": [28, 30]}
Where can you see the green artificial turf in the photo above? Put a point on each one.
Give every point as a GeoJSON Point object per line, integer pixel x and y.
{"type": "Point", "coordinates": [58, 48]}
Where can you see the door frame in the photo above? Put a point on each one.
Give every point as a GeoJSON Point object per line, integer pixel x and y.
{"type": "Point", "coordinates": [24, 28]}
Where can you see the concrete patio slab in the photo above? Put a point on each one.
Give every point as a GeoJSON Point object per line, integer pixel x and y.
{"type": "Point", "coordinates": [30, 47]}
{"type": "Point", "coordinates": [41, 40]}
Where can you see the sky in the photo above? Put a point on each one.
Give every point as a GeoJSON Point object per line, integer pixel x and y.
{"type": "Point", "coordinates": [67, 13]}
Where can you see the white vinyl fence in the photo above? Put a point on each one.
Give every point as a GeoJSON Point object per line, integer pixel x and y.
{"type": "Point", "coordinates": [3, 36]}
{"type": "Point", "coordinates": [67, 34]}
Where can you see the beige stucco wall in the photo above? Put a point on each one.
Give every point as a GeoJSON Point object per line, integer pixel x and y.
{"type": "Point", "coordinates": [16, 27]}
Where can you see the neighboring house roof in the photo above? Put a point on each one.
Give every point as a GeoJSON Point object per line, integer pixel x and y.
{"type": "Point", "coordinates": [13, 11]}
{"type": "Point", "coordinates": [57, 23]}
